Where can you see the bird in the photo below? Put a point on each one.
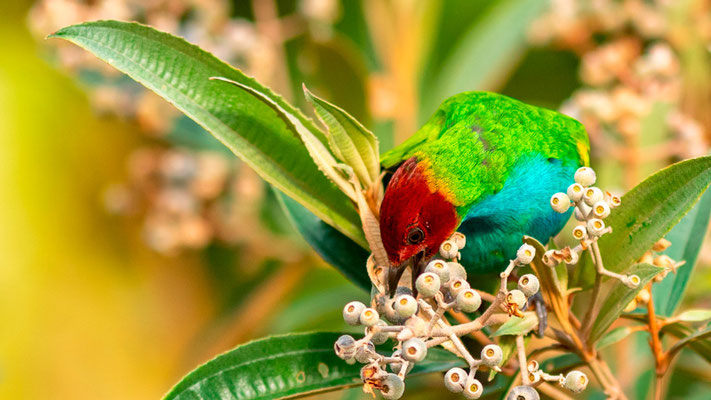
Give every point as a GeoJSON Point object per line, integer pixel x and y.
{"type": "Point", "coordinates": [485, 165]}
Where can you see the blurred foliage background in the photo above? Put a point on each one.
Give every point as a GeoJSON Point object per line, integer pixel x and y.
{"type": "Point", "coordinates": [135, 247]}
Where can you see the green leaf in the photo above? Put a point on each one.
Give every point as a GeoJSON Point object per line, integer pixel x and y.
{"type": "Point", "coordinates": [333, 246]}
{"type": "Point", "coordinates": [180, 72]}
{"type": "Point", "coordinates": [696, 337]}
{"type": "Point", "coordinates": [318, 151]}
{"type": "Point", "coordinates": [619, 296]}
{"type": "Point", "coordinates": [508, 348]}
{"type": "Point", "coordinates": [492, 44]}
{"type": "Point", "coordinates": [651, 209]}
{"type": "Point", "coordinates": [560, 363]}
{"type": "Point", "coordinates": [686, 238]}
{"type": "Point", "coordinates": [283, 366]}
{"type": "Point", "coordinates": [349, 140]}
{"type": "Point", "coordinates": [694, 315]}
{"type": "Point", "coordinates": [614, 336]}
{"type": "Point", "coordinates": [518, 326]}
{"type": "Point", "coordinates": [700, 347]}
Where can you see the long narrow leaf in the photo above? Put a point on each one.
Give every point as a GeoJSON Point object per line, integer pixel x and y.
{"type": "Point", "coordinates": [283, 366]}
{"type": "Point", "coordinates": [318, 151]}
{"type": "Point", "coordinates": [350, 141]}
{"type": "Point", "coordinates": [619, 296]}
{"type": "Point", "coordinates": [686, 238]}
{"type": "Point", "coordinates": [648, 212]}
{"type": "Point", "coordinates": [180, 72]}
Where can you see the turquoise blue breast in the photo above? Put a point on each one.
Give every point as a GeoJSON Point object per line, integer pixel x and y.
{"type": "Point", "coordinates": [495, 225]}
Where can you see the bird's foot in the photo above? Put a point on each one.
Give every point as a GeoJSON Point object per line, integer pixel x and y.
{"type": "Point", "coordinates": [537, 302]}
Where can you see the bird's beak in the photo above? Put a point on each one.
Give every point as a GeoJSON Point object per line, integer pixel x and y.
{"type": "Point", "coordinates": [417, 262]}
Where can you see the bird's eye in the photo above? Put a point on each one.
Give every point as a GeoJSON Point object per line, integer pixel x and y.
{"type": "Point", "coordinates": [415, 236]}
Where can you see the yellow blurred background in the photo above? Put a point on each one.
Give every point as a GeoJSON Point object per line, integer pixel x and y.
{"type": "Point", "coordinates": [90, 310]}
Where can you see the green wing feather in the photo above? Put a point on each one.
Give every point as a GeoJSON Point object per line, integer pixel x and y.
{"type": "Point", "coordinates": [474, 139]}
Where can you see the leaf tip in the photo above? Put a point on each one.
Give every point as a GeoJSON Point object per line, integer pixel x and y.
{"type": "Point", "coordinates": [59, 34]}
{"type": "Point", "coordinates": [307, 92]}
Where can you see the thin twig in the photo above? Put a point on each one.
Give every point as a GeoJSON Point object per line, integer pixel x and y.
{"type": "Point", "coordinates": [593, 309]}
{"type": "Point", "coordinates": [552, 392]}
{"type": "Point", "coordinates": [656, 345]}
{"type": "Point", "coordinates": [522, 364]}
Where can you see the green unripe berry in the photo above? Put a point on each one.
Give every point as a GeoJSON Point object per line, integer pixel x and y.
{"type": "Point", "coordinates": [575, 192]}
{"type": "Point", "coordinates": [592, 195]}
{"type": "Point", "coordinates": [525, 254]}
{"type": "Point", "coordinates": [614, 201]}
{"type": "Point", "coordinates": [575, 381]}
{"type": "Point", "coordinates": [405, 306]}
{"type": "Point", "coordinates": [380, 337]}
{"type": "Point", "coordinates": [468, 300]}
{"type": "Point", "coordinates": [369, 317]}
{"type": "Point", "coordinates": [428, 284]}
{"type": "Point", "coordinates": [572, 257]}
{"type": "Point", "coordinates": [459, 239]}
{"type": "Point", "coordinates": [585, 176]}
{"type": "Point", "coordinates": [523, 393]}
{"type": "Point", "coordinates": [414, 350]}
{"type": "Point", "coordinates": [448, 250]}
{"type": "Point", "coordinates": [631, 281]}
{"type": "Point", "coordinates": [560, 202]}
{"type": "Point", "coordinates": [456, 270]}
{"type": "Point", "coordinates": [456, 286]}
{"type": "Point", "coordinates": [472, 389]}
{"type": "Point", "coordinates": [345, 347]}
{"type": "Point", "coordinates": [440, 268]}
{"type": "Point", "coordinates": [393, 387]}
{"type": "Point", "coordinates": [492, 355]}
{"type": "Point", "coordinates": [455, 379]}
{"type": "Point", "coordinates": [528, 284]}
{"type": "Point", "coordinates": [580, 232]}
{"type": "Point", "coordinates": [352, 311]}
{"type": "Point", "coordinates": [596, 227]}
{"type": "Point", "coordinates": [516, 297]}
{"type": "Point", "coordinates": [601, 209]}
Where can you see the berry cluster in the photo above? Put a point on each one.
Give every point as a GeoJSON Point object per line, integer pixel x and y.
{"type": "Point", "coordinates": [416, 321]}
{"type": "Point", "coordinates": [592, 206]}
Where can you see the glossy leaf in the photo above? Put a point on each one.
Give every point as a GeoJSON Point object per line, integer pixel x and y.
{"type": "Point", "coordinates": [477, 59]}
{"type": "Point", "coordinates": [180, 72]}
{"type": "Point", "coordinates": [694, 316]}
{"type": "Point", "coordinates": [349, 140]}
{"type": "Point", "coordinates": [686, 238]}
{"type": "Point", "coordinates": [318, 151]}
{"type": "Point", "coordinates": [651, 209]}
{"type": "Point", "coordinates": [618, 297]}
{"type": "Point", "coordinates": [518, 326]}
{"type": "Point", "coordinates": [333, 246]}
{"type": "Point", "coordinates": [283, 366]}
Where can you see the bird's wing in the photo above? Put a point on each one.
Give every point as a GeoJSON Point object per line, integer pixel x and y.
{"type": "Point", "coordinates": [496, 120]}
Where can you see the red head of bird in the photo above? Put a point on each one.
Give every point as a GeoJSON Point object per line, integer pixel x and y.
{"type": "Point", "coordinates": [415, 217]}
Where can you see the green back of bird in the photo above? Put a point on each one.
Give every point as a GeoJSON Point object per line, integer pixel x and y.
{"type": "Point", "coordinates": [474, 139]}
